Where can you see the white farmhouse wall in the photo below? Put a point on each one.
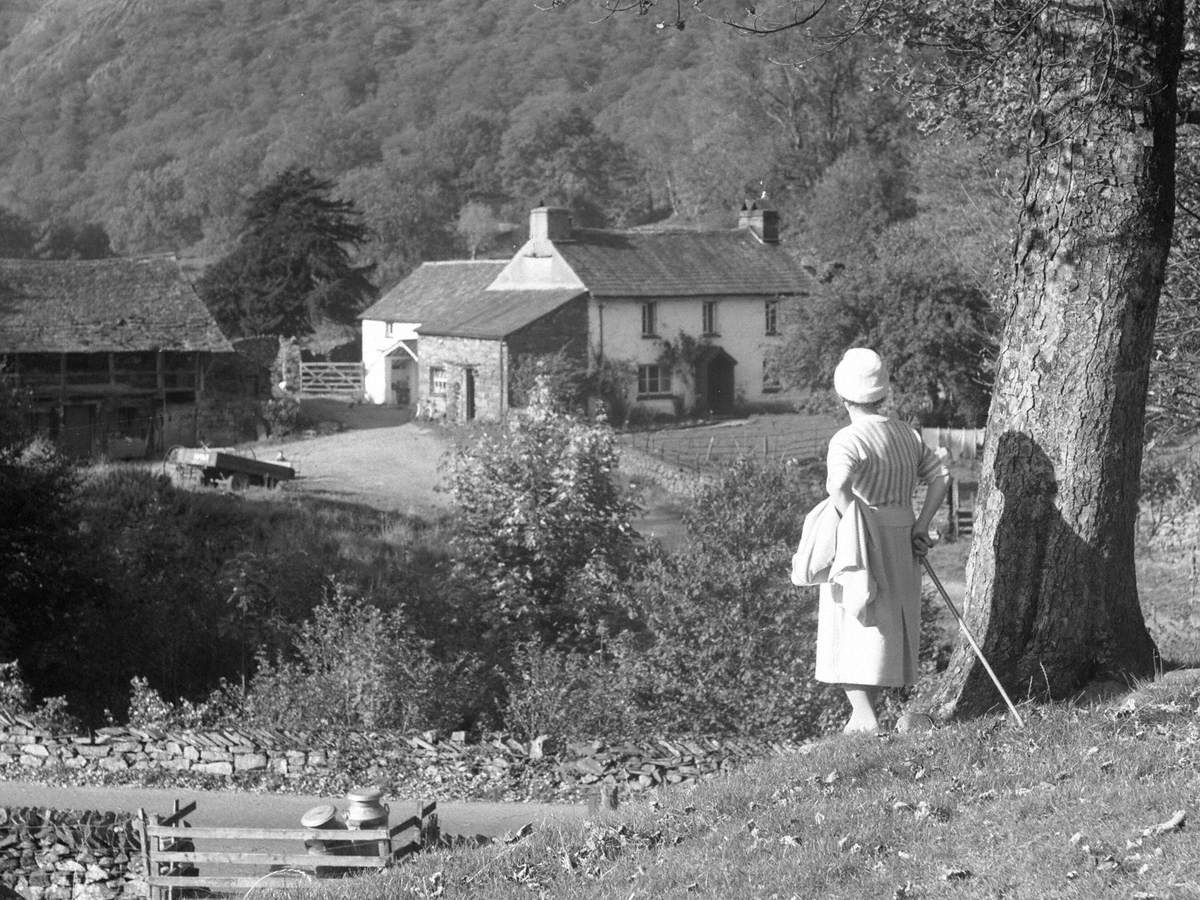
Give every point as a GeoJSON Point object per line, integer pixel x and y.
{"type": "Point", "coordinates": [615, 327]}
{"type": "Point", "coordinates": [377, 349]}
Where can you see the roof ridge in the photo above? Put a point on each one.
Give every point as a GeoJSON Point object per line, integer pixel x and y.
{"type": "Point", "coordinates": [461, 262]}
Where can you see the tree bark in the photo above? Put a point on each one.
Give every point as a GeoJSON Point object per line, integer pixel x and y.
{"type": "Point", "coordinates": [1051, 590]}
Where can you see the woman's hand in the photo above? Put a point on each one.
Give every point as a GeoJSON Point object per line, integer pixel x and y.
{"type": "Point", "coordinates": [922, 540]}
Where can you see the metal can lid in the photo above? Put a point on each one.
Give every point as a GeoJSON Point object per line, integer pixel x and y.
{"type": "Point", "coordinates": [364, 795]}
{"type": "Point", "coordinates": [319, 816]}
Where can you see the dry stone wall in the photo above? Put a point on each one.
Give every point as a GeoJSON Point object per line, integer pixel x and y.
{"type": "Point", "coordinates": [673, 479]}
{"type": "Point", "coordinates": [69, 855]}
{"type": "Point", "coordinates": [404, 765]}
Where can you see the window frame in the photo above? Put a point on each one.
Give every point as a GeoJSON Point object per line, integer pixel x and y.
{"type": "Point", "coordinates": [771, 317]}
{"type": "Point", "coordinates": [770, 378]}
{"type": "Point", "coordinates": [649, 318]}
{"type": "Point", "coordinates": [708, 319]}
{"type": "Point", "coordinates": [653, 380]}
{"type": "Point", "coordinates": [436, 374]}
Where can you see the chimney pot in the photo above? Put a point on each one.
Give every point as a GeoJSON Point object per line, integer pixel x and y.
{"type": "Point", "coordinates": [548, 224]}
{"type": "Point", "coordinates": [763, 223]}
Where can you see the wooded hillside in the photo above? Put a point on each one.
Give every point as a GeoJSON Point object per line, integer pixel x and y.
{"type": "Point", "coordinates": [158, 119]}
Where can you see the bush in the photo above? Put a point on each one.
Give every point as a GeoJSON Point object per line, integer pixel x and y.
{"type": "Point", "coordinates": [355, 666]}
{"type": "Point", "coordinates": [16, 700]}
{"type": "Point", "coordinates": [539, 509]}
{"type": "Point", "coordinates": [282, 415]}
{"type": "Point", "coordinates": [718, 642]}
{"type": "Point", "coordinates": [568, 695]}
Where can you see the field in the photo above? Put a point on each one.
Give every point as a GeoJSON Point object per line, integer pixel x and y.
{"type": "Point", "coordinates": [709, 446]}
{"type": "Point", "coordinates": [381, 460]}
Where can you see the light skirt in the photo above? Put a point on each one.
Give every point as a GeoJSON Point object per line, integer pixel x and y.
{"type": "Point", "coordinates": [885, 652]}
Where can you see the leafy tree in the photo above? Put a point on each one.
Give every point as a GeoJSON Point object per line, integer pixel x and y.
{"type": "Point", "coordinates": [552, 152]}
{"type": "Point", "coordinates": [17, 235]}
{"type": "Point", "coordinates": [543, 527]}
{"type": "Point", "coordinates": [913, 304]}
{"type": "Point", "coordinates": [21, 239]}
{"type": "Point", "coordinates": [478, 225]}
{"type": "Point", "coordinates": [856, 198]}
{"type": "Point", "coordinates": [293, 263]}
{"type": "Point", "coordinates": [65, 240]}
{"type": "Point", "coordinates": [1089, 91]}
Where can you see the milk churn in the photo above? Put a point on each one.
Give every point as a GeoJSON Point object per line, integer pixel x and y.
{"type": "Point", "coordinates": [324, 817]}
{"type": "Point", "coordinates": [366, 811]}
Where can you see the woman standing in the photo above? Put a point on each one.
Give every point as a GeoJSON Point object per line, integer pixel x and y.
{"type": "Point", "coordinates": [877, 461]}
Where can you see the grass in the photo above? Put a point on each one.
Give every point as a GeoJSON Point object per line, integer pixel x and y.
{"type": "Point", "coordinates": [1081, 803]}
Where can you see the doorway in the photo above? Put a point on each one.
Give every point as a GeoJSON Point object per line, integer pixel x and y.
{"type": "Point", "coordinates": [470, 392]}
{"type": "Point", "coordinates": [715, 381]}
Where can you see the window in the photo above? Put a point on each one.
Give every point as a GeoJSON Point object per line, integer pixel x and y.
{"type": "Point", "coordinates": [389, 329]}
{"type": "Point", "coordinates": [708, 318]}
{"type": "Point", "coordinates": [649, 319]}
{"type": "Point", "coordinates": [653, 381]}
{"type": "Point", "coordinates": [772, 323]}
{"type": "Point", "coordinates": [437, 381]}
{"type": "Point", "coordinates": [770, 378]}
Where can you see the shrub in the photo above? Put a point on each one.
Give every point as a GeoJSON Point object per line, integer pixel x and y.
{"type": "Point", "coordinates": [568, 695]}
{"type": "Point", "coordinates": [355, 666]}
{"type": "Point", "coordinates": [16, 700]}
{"type": "Point", "coordinates": [718, 641]}
{"type": "Point", "coordinates": [282, 415]}
{"type": "Point", "coordinates": [538, 508]}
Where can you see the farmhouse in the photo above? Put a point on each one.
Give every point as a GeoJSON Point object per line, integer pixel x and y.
{"type": "Point", "coordinates": [693, 317]}
{"type": "Point", "coordinates": [120, 357]}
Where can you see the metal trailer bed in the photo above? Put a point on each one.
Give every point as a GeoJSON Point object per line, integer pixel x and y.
{"type": "Point", "coordinates": [217, 466]}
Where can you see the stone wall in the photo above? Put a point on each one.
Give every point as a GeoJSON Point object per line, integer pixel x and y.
{"type": "Point", "coordinates": [674, 480]}
{"type": "Point", "coordinates": [69, 855]}
{"type": "Point", "coordinates": [403, 765]}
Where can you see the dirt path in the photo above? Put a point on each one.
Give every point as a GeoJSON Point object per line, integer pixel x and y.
{"type": "Point", "coordinates": [248, 810]}
{"type": "Point", "coordinates": [380, 459]}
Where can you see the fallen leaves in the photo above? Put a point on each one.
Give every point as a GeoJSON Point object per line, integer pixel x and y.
{"type": "Point", "coordinates": [1177, 821]}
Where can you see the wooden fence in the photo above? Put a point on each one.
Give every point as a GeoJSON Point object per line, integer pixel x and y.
{"type": "Point", "coordinates": [711, 449]}
{"type": "Point", "coordinates": [241, 859]}
{"type": "Point", "coordinates": [714, 447]}
{"type": "Point", "coordinates": [323, 379]}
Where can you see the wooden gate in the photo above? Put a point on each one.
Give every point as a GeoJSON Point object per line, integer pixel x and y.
{"type": "Point", "coordinates": [324, 379]}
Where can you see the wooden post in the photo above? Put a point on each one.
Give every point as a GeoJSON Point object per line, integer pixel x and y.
{"type": "Point", "coordinates": [145, 836]}
{"type": "Point", "coordinates": [609, 796]}
{"type": "Point", "coordinates": [952, 503]}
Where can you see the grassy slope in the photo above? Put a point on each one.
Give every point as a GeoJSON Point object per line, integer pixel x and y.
{"type": "Point", "coordinates": [1066, 807]}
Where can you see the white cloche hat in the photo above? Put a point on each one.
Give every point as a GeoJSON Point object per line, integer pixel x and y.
{"type": "Point", "coordinates": [861, 376]}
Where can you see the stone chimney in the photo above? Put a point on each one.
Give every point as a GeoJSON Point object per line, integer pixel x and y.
{"type": "Point", "coordinates": [764, 223]}
{"type": "Point", "coordinates": [548, 224]}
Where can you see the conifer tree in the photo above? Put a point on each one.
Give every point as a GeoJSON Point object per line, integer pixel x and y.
{"type": "Point", "coordinates": [293, 265]}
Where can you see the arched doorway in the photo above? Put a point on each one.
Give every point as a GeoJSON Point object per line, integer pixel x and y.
{"type": "Point", "coordinates": [714, 381]}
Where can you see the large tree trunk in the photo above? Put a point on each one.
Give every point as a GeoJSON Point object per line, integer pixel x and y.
{"type": "Point", "coordinates": [1051, 591]}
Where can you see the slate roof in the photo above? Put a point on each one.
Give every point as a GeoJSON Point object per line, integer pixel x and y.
{"type": "Point", "coordinates": [497, 314]}
{"type": "Point", "coordinates": [451, 298]}
{"type": "Point", "coordinates": [102, 305]}
{"type": "Point", "coordinates": [433, 289]}
{"type": "Point", "coordinates": [682, 264]}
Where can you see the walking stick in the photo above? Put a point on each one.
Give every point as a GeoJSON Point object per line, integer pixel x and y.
{"type": "Point", "coordinates": [971, 640]}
